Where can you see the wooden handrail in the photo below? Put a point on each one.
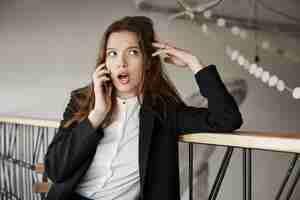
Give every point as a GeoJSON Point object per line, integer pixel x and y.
{"type": "Point", "coordinates": [31, 121]}
{"type": "Point", "coordinates": [42, 187]}
{"type": "Point", "coordinates": [271, 141]}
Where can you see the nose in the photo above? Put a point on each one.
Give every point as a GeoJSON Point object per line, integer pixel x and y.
{"type": "Point", "coordinates": [122, 61]}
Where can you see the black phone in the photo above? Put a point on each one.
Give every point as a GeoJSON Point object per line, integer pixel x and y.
{"type": "Point", "coordinates": [108, 83]}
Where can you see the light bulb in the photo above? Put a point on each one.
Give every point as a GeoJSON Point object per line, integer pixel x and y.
{"type": "Point", "coordinates": [221, 22]}
{"type": "Point", "coordinates": [253, 68]}
{"type": "Point", "coordinates": [246, 64]}
{"type": "Point", "coordinates": [241, 60]}
{"type": "Point", "coordinates": [273, 80]}
{"type": "Point", "coordinates": [265, 76]}
{"type": "Point", "coordinates": [258, 72]}
{"type": "Point", "coordinates": [234, 55]}
{"type": "Point", "coordinates": [207, 14]}
{"type": "Point", "coordinates": [204, 28]}
{"type": "Point", "coordinates": [280, 85]}
{"type": "Point", "coordinates": [296, 93]}
{"type": "Point", "coordinates": [265, 45]}
{"type": "Point", "coordinates": [235, 30]}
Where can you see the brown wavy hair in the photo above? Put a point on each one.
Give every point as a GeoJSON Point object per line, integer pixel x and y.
{"type": "Point", "coordinates": [157, 90]}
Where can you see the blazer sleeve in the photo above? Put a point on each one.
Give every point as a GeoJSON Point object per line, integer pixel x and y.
{"type": "Point", "coordinates": [71, 146]}
{"type": "Point", "coordinates": [222, 114]}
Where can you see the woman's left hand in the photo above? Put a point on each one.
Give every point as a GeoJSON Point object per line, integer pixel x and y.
{"type": "Point", "coordinates": [177, 56]}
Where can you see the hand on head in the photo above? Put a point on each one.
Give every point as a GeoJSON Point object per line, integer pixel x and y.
{"type": "Point", "coordinates": [174, 55]}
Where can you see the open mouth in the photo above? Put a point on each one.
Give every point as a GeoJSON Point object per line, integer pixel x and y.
{"type": "Point", "coordinates": [123, 78]}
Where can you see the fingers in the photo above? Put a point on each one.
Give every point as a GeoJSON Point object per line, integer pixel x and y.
{"type": "Point", "coordinates": [103, 79]}
{"type": "Point", "coordinates": [168, 52]}
{"type": "Point", "coordinates": [101, 66]}
{"type": "Point", "coordinates": [162, 47]}
{"type": "Point", "coordinates": [159, 52]}
{"type": "Point", "coordinates": [101, 75]}
{"type": "Point", "coordinates": [173, 56]}
{"type": "Point", "coordinates": [101, 70]}
{"type": "Point", "coordinates": [165, 48]}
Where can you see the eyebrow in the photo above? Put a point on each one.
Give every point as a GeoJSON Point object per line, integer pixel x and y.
{"type": "Point", "coordinates": [132, 47]}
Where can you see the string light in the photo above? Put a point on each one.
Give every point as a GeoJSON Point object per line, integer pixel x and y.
{"type": "Point", "coordinates": [253, 68]}
{"type": "Point", "coordinates": [204, 28]}
{"type": "Point", "coordinates": [207, 14]}
{"type": "Point", "coordinates": [221, 22]}
{"type": "Point", "coordinates": [234, 55]}
{"type": "Point", "coordinates": [235, 30]}
{"type": "Point", "coordinates": [265, 76]}
{"type": "Point", "coordinates": [273, 80]}
{"type": "Point", "coordinates": [296, 93]}
{"type": "Point", "coordinates": [241, 60]}
{"type": "Point", "coordinates": [259, 73]}
{"type": "Point", "coordinates": [280, 85]}
{"type": "Point", "coordinates": [265, 45]}
{"type": "Point", "coordinates": [246, 64]}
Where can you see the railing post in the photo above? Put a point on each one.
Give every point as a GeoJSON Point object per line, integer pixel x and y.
{"type": "Point", "coordinates": [247, 174]}
{"type": "Point", "coordinates": [290, 192]}
{"type": "Point", "coordinates": [191, 170]}
{"type": "Point", "coordinates": [21, 146]}
{"type": "Point", "coordinates": [288, 174]}
{"type": "Point", "coordinates": [221, 173]}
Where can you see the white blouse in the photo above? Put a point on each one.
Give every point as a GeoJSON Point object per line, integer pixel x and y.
{"type": "Point", "coordinates": [114, 171]}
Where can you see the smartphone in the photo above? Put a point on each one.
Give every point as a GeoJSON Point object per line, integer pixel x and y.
{"type": "Point", "coordinates": [108, 83]}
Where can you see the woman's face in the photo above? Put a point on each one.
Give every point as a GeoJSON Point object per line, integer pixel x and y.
{"type": "Point", "coordinates": [124, 59]}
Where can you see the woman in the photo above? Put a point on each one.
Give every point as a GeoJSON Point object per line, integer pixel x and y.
{"type": "Point", "coordinates": [118, 136]}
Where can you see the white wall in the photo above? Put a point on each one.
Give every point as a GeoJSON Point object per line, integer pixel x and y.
{"type": "Point", "coordinates": [48, 48]}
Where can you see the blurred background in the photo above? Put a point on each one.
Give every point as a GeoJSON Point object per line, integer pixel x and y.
{"type": "Point", "coordinates": [49, 48]}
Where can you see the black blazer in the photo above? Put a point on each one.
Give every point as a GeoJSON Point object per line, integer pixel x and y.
{"type": "Point", "coordinates": [72, 149]}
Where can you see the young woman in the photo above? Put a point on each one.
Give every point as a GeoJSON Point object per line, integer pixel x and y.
{"type": "Point", "coordinates": [118, 136]}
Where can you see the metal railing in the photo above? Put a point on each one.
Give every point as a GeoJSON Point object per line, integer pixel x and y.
{"type": "Point", "coordinates": [24, 142]}
{"type": "Point", "coordinates": [23, 145]}
{"type": "Point", "coordinates": [247, 141]}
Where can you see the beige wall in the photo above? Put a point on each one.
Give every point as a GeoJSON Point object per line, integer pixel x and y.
{"type": "Point", "coordinates": [48, 48]}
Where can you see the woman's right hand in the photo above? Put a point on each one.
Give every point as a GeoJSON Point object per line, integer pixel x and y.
{"type": "Point", "coordinates": [102, 90]}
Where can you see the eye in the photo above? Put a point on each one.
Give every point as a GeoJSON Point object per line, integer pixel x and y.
{"type": "Point", "coordinates": [133, 52]}
{"type": "Point", "coordinates": [110, 53]}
